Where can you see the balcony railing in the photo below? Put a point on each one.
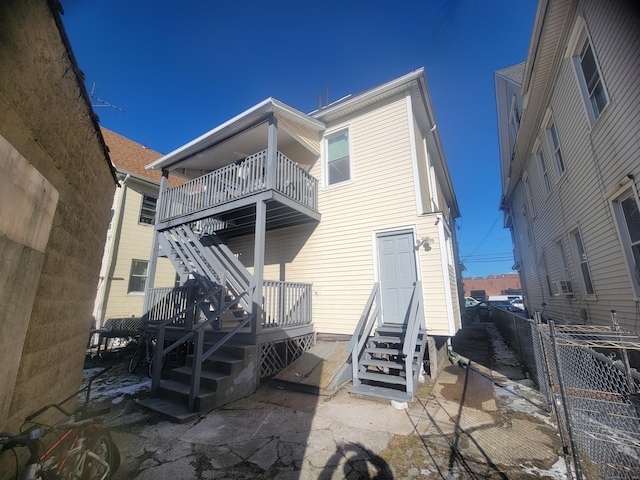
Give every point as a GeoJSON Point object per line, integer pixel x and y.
{"type": "Point", "coordinates": [236, 181]}
{"type": "Point", "coordinates": [286, 304]}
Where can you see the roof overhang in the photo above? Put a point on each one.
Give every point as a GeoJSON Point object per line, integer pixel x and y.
{"type": "Point", "coordinates": [242, 123]}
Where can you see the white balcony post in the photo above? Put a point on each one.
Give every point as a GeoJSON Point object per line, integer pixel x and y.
{"type": "Point", "coordinates": [272, 152]}
{"type": "Point", "coordinates": [155, 246]}
{"type": "Point", "coordinates": [258, 261]}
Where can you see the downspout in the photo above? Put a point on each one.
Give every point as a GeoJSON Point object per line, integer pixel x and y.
{"type": "Point", "coordinates": [111, 252]}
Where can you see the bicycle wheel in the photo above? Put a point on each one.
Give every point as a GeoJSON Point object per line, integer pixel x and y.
{"type": "Point", "coordinates": [99, 458]}
{"type": "Point", "coordinates": [135, 358]}
{"type": "Point", "coordinates": [152, 348]}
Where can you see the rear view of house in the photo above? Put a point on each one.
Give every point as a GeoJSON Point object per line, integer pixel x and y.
{"type": "Point", "coordinates": [305, 224]}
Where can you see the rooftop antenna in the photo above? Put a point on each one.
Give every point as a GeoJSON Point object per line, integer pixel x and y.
{"type": "Point", "coordinates": [101, 103]}
{"type": "Point", "coordinates": [319, 101]}
{"type": "Point", "coordinates": [327, 95]}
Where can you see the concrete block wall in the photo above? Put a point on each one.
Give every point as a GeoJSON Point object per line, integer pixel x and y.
{"type": "Point", "coordinates": [45, 115]}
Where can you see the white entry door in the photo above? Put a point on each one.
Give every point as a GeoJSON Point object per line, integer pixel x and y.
{"type": "Point", "coordinates": [398, 274]}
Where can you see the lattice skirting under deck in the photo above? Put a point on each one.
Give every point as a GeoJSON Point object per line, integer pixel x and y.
{"type": "Point", "coordinates": [274, 356]}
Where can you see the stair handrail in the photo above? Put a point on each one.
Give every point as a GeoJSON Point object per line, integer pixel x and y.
{"type": "Point", "coordinates": [160, 353]}
{"type": "Point", "coordinates": [414, 321]}
{"type": "Point", "coordinates": [363, 330]}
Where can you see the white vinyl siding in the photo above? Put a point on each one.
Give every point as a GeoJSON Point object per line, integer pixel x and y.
{"type": "Point", "coordinates": [337, 256]}
{"type": "Point", "coordinates": [599, 158]}
{"type": "Point", "coordinates": [133, 241]}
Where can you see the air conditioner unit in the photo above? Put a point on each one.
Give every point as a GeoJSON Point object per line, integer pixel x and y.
{"type": "Point", "coordinates": [562, 287]}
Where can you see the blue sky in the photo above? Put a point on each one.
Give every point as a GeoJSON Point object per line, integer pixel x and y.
{"type": "Point", "coordinates": [178, 69]}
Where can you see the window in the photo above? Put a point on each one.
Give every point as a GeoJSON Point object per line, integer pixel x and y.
{"type": "Point", "coordinates": [582, 260]}
{"type": "Point", "coordinates": [592, 82]}
{"type": "Point", "coordinates": [556, 149]}
{"type": "Point", "coordinates": [546, 274]}
{"type": "Point", "coordinates": [138, 277]}
{"type": "Point", "coordinates": [148, 210]}
{"type": "Point", "coordinates": [338, 158]}
{"type": "Point", "coordinates": [514, 118]}
{"type": "Point", "coordinates": [543, 171]}
{"type": "Point", "coordinates": [627, 213]}
{"type": "Point", "coordinates": [563, 260]}
{"type": "Point", "coordinates": [527, 191]}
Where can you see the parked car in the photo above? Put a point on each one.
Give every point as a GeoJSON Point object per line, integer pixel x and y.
{"type": "Point", "coordinates": [480, 309]}
{"type": "Point", "coordinates": [508, 306]}
{"type": "Point", "coordinates": [470, 302]}
{"type": "Point", "coordinates": [518, 302]}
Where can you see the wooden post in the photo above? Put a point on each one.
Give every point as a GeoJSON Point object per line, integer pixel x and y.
{"type": "Point", "coordinates": [155, 246]}
{"type": "Point", "coordinates": [258, 263]}
{"type": "Point", "coordinates": [272, 152]}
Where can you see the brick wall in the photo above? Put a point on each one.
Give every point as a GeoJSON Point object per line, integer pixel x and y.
{"type": "Point", "coordinates": [493, 284]}
{"type": "Point", "coordinates": [46, 117]}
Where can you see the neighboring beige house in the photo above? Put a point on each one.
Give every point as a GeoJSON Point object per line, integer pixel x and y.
{"type": "Point", "coordinates": [56, 185]}
{"type": "Point", "coordinates": [568, 122]}
{"type": "Point", "coordinates": [312, 215]}
{"type": "Point", "coordinates": [128, 248]}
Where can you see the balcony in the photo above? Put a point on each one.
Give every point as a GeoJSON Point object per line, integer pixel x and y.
{"type": "Point", "coordinates": [223, 201]}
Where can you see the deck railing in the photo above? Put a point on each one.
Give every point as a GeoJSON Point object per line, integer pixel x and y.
{"type": "Point", "coordinates": [286, 304]}
{"type": "Point", "coordinates": [168, 302]}
{"type": "Point", "coordinates": [236, 181]}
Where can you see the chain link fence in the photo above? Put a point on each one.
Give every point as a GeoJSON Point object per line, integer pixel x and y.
{"type": "Point", "coordinates": [591, 386]}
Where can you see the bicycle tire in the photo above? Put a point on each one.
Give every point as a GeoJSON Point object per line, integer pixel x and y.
{"type": "Point", "coordinates": [102, 447]}
{"type": "Point", "coordinates": [135, 359]}
{"type": "Point", "coordinates": [150, 363]}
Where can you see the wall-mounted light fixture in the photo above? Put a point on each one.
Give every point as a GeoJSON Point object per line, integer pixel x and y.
{"type": "Point", "coordinates": [424, 242]}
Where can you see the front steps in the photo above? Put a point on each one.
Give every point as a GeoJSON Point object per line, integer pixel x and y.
{"type": "Point", "coordinates": [381, 371]}
{"type": "Point", "coordinates": [230, 374]}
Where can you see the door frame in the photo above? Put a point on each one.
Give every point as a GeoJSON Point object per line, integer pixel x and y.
{"type": "Point", "coordinates": [376, 253]}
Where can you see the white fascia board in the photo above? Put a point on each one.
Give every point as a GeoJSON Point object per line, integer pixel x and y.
{"type": "Point", "coordinates": [367, 95]}
{"type": "Point", "coordinates": [414, 156]}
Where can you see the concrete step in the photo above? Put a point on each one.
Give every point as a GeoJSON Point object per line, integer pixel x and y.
{"type": "Point", "coordinates": [380, 392]}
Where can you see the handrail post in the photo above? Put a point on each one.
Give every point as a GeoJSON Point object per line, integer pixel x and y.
{"type": "Point", "coordinates": [194, 390]}
{"type": "Point", "coordinates": [272, 152]}
{"type": "Point", "coordinates": [157, 361]}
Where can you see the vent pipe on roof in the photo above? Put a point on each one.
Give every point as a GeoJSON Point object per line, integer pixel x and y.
{"type": "Point", "coordinates": [319, 101]}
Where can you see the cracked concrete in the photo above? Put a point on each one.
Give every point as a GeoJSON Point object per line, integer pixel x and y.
{"type": "Point", "coordinates": [472, 423]}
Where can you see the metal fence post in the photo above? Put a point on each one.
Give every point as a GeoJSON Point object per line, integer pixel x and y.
{"type": "Point", "coordinates": [565, 401]}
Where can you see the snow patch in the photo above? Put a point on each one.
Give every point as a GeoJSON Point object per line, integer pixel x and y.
{"type": "Point", "coordinates": [114, 385]}
{"type": "Point", "coordinates": [558, 470]}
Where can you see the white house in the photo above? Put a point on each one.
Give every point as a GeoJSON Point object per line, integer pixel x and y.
{"type": "Point", "coordinates": [568, 122]}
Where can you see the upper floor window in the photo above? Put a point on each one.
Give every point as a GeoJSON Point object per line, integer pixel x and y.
{"type": "Point", "coordinates": [514, 118]}
{"type": "Point", "coordinates": [555, 143]}
{"type": "Point", "coordinates": [543, 171]}
{"type": "Point", "coordinates": [338, 166]}
{"type": "Point", "coordinates": [148, 210]}
{"type": "Point", "coordinates": [627, 211]}
{"type": "Point", "coordinates": [592, 80]}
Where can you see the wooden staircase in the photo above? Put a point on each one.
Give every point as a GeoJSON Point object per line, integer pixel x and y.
{"type": "Point", "coordinates": [218, 380]}
{"type": "Point", "coordinates": [387, 364]}
{"type": "Point", "coordinates": [382, 371]}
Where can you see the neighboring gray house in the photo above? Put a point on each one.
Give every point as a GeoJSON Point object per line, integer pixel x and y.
{"type": "Point", "coordinates": [568, 121]}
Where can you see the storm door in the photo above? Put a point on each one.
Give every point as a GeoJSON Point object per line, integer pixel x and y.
{"type": "Point", "coordinates": [398, 274]}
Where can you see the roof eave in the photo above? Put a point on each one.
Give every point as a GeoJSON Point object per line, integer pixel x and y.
{"type": "Point", "coordinates": [230, 128]}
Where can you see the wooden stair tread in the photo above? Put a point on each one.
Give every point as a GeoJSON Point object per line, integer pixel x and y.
{"type": "Point", "coordinates": [382, 378]}
{"type": "Point", "coordinates": [374, 362]}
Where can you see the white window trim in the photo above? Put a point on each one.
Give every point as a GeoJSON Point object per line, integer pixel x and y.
{"type": "Point", "coordinates": [529, 194]}
{"type": "Point", "coordinates": [579, 36]}
{"type": "Point", "coordinates": [541, 161]}
{"type": "Point", "coordinates": [622, 191]}
{"type": "Point", "coordinates": [554, 150]}
{"type": "Point", "coordinates": [155, 214]}
{"type": "Point", "coordinates": [578, 263]}
{"type": "Point", "coordinates": [144, 288]}
{"type": "Point", "coordinates": [325, 158]}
